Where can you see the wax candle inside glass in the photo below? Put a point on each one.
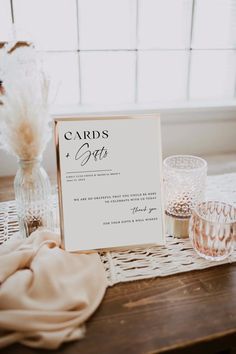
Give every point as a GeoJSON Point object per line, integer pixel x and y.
{"type": "Point", "coordinates": [184, 187]}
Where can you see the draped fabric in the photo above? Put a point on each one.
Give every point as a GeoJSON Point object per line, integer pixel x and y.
{"type": "Point", "coordinates": [46, 293]}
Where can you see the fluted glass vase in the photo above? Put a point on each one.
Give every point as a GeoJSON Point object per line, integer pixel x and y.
{"type": "Point", "coordinates": [33, 197]}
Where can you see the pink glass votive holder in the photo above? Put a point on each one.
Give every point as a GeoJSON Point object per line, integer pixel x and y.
{"type": "Point", "coordinates": [212, 230]}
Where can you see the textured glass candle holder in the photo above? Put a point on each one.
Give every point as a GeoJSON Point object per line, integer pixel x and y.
{"type": "Point", "coordinates": [212, 230]}
{"type": "Point", "coordinates": [184, 187]}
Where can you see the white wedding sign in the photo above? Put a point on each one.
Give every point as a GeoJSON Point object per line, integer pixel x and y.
{"type": "Point", "coordinates": [110, 181]}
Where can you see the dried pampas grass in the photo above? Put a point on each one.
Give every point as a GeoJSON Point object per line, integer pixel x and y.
{"type": "Point", "coordinates": [24, 115]}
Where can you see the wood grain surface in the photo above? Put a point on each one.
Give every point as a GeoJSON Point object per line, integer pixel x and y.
{"type": "Point", "coordinates": [193, 312]}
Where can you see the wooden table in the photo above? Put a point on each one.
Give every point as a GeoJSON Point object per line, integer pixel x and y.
{"type": "Point", "coordinates": [188, 313]}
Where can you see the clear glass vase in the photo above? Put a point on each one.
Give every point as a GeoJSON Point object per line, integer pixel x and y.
{"type": "Point", "coordinates": [33, 197]}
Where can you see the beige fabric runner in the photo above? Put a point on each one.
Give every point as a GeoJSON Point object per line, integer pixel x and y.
{"type": "Point", "coordinates": [46, 294]}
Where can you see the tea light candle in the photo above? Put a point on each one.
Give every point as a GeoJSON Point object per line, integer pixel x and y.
{"type": "Point", "coordinates": [177, 219]}
{"type": "Point", "coordinates": [178, 227]}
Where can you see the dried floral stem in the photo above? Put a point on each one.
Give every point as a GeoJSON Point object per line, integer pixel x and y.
{"type": "Point", "coordinates": [24, 116]}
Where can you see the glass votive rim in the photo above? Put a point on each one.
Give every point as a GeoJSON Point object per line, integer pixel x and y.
{"type": "Point", "coordinates": [190, 157]}
{"type": "Point", "coordinates": [195, 210]}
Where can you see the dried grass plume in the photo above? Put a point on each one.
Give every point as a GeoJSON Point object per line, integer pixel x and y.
{"type": "Point", "coordinates": [24, 115]}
